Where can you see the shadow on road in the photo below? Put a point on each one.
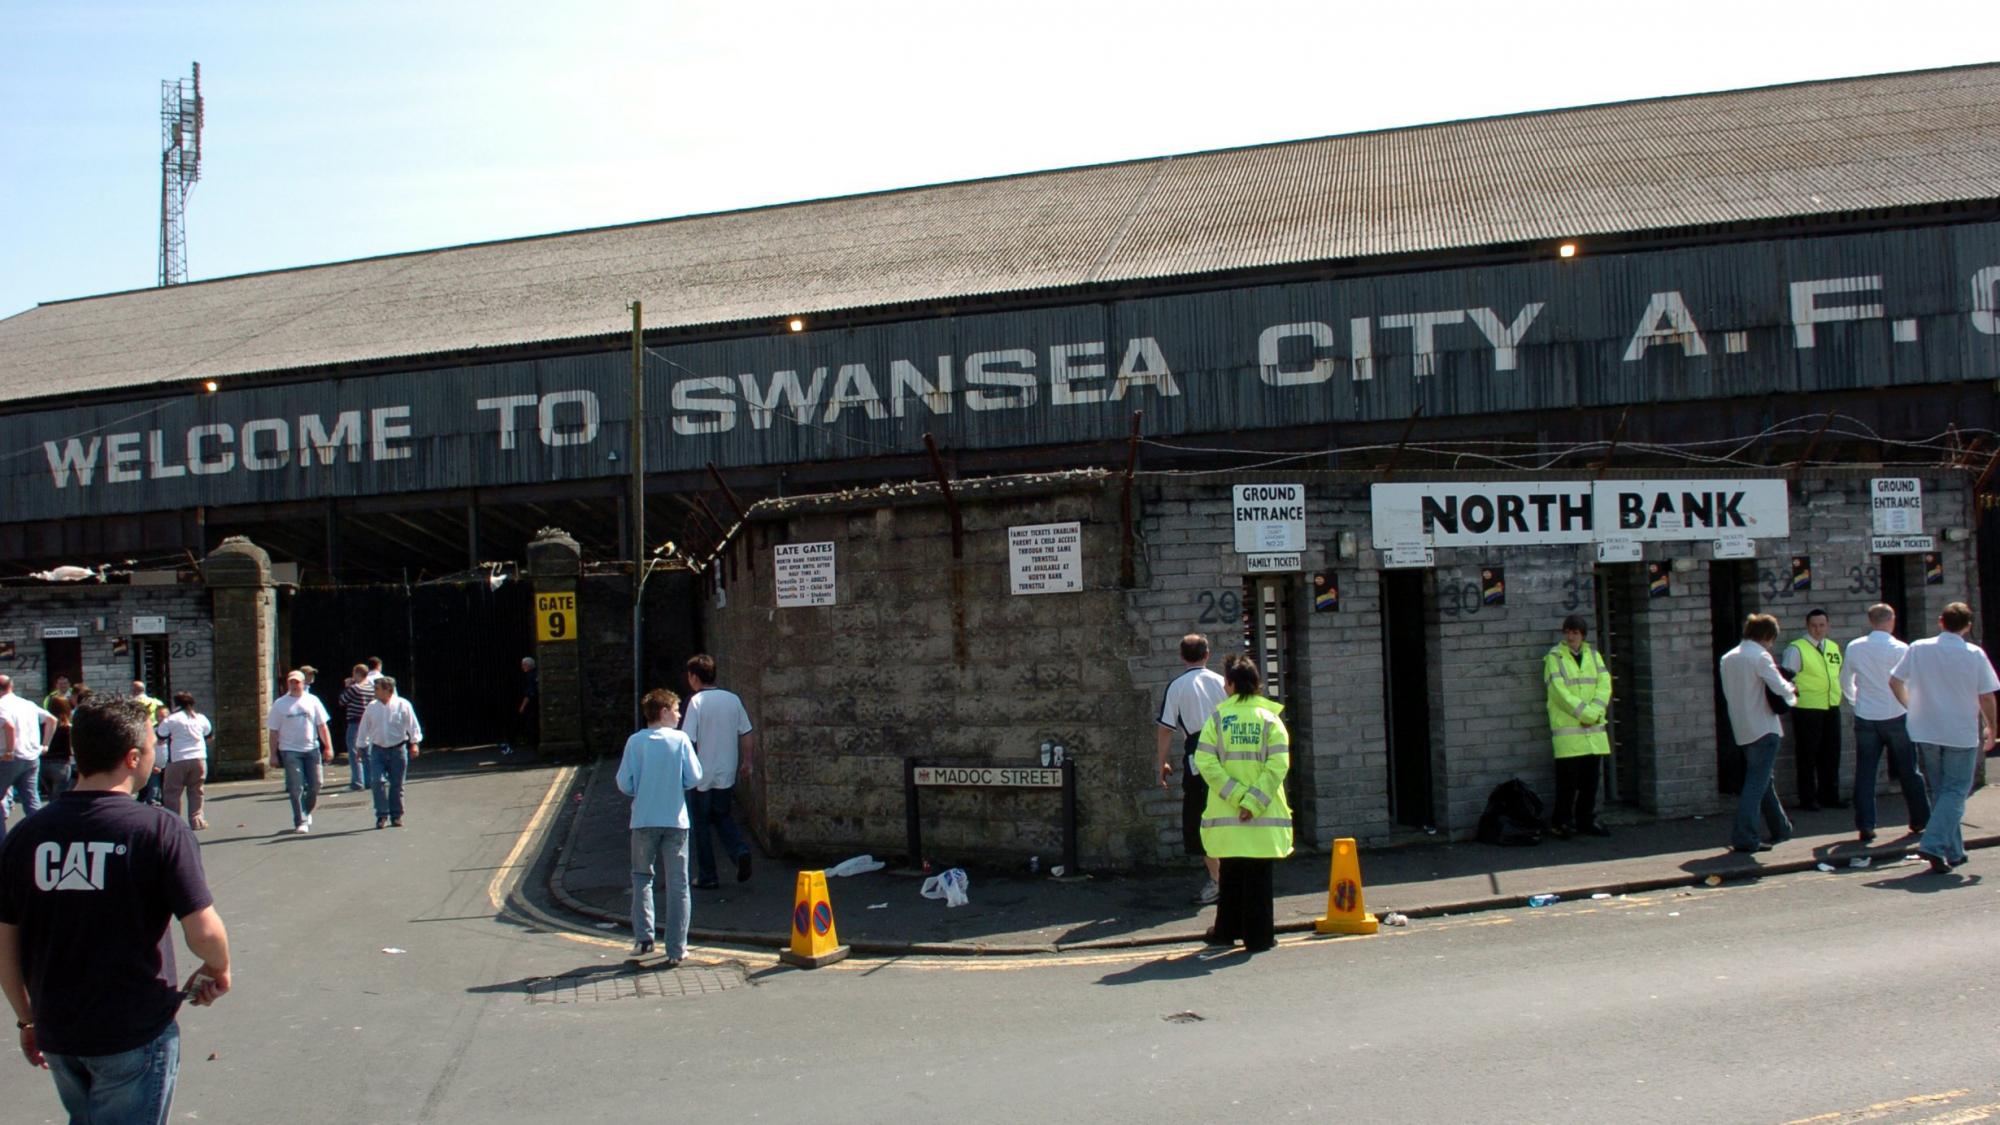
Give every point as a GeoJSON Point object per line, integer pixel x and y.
{"type": "Point", "coordinates": [1923, 882]}
{"type": "Point", "coordinates": [1182, 966]}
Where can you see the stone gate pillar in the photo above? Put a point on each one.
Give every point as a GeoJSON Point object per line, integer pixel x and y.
{"type": "Point", "coordinates": [238, 574]}
{"type": "Point", "coordinates": [554, 564]}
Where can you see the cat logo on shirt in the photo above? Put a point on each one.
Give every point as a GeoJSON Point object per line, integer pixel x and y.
{"type": "Point", "coordinates": [80, 868]}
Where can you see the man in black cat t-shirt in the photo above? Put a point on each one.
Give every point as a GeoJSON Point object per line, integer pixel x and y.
{"type": "Point", "coordinates": [86, 959]}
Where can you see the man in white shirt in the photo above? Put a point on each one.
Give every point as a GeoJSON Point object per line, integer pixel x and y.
{"type": "Point", "coordinates": [1880, 722]}
{"type": "Point", "coordinates": [1184, 710]}
{"type": "Point", "coordinates": [1948, 685]}
{"type": "Point", "coordinates": [24, 729]}
{"type": "Point", "coordinates": [1748, 672]}
{"type": "Point", "coordinates": [720, 728]}
{"type": "Point", "coordinates": [390, 730]}
{"type": "Point", "coordinates": [300, 742]}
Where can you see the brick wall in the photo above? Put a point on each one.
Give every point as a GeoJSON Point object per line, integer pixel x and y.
{"type": "Point", "coordinates": [26, 610]}
{"type": "Point", "coordinates": [933, 658]}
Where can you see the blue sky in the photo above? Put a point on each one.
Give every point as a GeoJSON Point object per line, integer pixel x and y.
{"type": "Point", "coordinates": [343, 130]}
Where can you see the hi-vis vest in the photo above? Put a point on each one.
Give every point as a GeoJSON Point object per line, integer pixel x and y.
{"type": "Point", "coordinates": [1244, 755]}
{"type": "Point", "coordinates": [1579, 691]}
{"type": "Point", "coordinates": [1818, 680]}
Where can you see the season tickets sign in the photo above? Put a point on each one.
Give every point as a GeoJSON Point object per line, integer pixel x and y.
{"type": "Point", "coordinates": [1526, 513]}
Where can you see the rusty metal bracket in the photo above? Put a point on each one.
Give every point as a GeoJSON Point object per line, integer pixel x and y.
{"type": "Point", "coordinates": [716, 476]}
{"type": "Point", "coordinates": [950, 500]}
{"type": "Point", "coordinates": [1396, 454]}
{"type": "Point", "coordinates": [1127, 568]}
{"type": "Point", "coordinates": [1610, 451]}
{"type": "Point", "coordinates": [1812, 445]}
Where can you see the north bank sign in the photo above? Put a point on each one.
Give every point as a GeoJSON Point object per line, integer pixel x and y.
{"type": "Point", "coordinates": [1792, 317]}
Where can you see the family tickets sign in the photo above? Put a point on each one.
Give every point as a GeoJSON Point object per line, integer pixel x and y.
{"type": "Point", "coordinates": [1524, 513]}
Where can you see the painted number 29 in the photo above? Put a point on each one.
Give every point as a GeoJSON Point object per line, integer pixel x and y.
{"type": "Point", "coordinates": [1219, 608]}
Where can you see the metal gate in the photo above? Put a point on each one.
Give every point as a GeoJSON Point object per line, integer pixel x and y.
{"type": "Point", "coordinates": [454, 648]}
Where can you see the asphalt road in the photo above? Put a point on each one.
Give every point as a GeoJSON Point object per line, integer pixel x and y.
{"type": "Point", "coordinates": [1856, 996]}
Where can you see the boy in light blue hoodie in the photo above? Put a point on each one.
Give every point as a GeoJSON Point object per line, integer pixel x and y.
{"type": "Point", "coordinates": [656, 771]}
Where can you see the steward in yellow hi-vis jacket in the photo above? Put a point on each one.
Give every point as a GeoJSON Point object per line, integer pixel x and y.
{"type": "Point", "coordinates": [1814, 664]}
{"type": "Point", "coordinates": [1244, 755]}
{"type": "Point", "coordinates": [1578, 684]}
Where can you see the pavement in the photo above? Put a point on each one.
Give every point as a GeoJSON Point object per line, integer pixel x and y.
{"type": "Point", "coordinates": [1015, 912]}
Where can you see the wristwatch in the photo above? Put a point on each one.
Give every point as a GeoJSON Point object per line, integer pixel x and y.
{"type": "Point", "coordinates": [23, 1025]}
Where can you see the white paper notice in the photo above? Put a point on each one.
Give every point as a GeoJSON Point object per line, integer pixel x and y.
{"type": "Point", "coordinates": [1045, 558]}
{"type": "Point", "coordinates": [804, 574]}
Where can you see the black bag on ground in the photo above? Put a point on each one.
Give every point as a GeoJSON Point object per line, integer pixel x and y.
{"type": "Point", "coordinates": [1513, 816]}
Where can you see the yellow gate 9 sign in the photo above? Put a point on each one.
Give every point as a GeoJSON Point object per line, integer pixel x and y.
{"type": "Point", "coordinates": [555, 617]}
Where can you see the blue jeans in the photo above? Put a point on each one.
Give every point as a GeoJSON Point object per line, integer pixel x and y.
{"type": "Point", "coordinates": [20, 786]}
{"type": "Point", "coordinates": [357, 757]}
{"type": "Point", "coordinates": [1953, 778]}
{"type": "Point", "coordinates": [387, 766]}
{"type": "Point", "coordinates": [1759, 758]}
{"type": "Point", "coordinates": [713, 808]}
{"type": "Point", "coordinates": [131, 1086]}
{"type": "Point", "coordinates": [660, 874]}
{"type": "Point", "coordinates": [302, 777]}
{"type": "Point", "coordinates": [1871, 737]}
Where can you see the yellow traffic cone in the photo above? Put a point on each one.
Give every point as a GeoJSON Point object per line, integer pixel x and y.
{"type": "Point", "coordinates": [814, 941]}
{"type": "Point", "coordinates": [1345, 911]}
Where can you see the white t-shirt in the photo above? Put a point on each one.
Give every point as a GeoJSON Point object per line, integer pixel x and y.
{"type": "Point", "coordinates": [297, 720]}
{"type": "Point", "coordinates": [1864, 675]}
{"type": "Point", "coordinates": [1945, 676]}
{"type": "Point", "coordinates": [27, 718]}
{"type": "Point", "coordinates": [715, 719]}
{"type": "Point", "coordinates": [184, 737]}
{"type": "Point", "coordinates": [1190, 700]}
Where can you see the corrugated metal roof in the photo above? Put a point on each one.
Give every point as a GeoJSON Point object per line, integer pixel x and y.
{"type": "Point", "coordinates": [1822, 148]}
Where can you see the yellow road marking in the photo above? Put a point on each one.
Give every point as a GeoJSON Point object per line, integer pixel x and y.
{"type": "Point", "coordinates": [1883, 1109]}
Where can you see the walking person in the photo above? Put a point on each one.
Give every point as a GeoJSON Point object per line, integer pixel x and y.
{"type": "Point", "coordinates": [1184, 709]}
{"type": "Point", "coordinates": [1577, 684]}
{"type": "Point", "coordinates": [183, 746]}
{"type": "Point", "coordinates": [391, 732]}
{"type": "Point", "coordinates": [1881, 723]}
{"type": "Point", "coordinates": [1814, 662]}
{"type": "Point", "coordinates": [1750, 679]}
{"type": "Point", "coordinates": [1948, 685]}
{"type": "Point", "coordinates": [720, 728]}
{"type": "Point", "coordinates": [657, 770]}
{"type": "Point", "coordinates": [24, 730]}
{"type": "Point", "coordinates": [1244, 755]}
{"type": "Point", "coordinates": [300, 744]}
{"type": "Point", "coordinates": [528, 713]}
{"type": "Point", "coordinates": [60, 690]}
{"type": "Point", "coordinates": [355, 696]}
{"type": "Point", "coordinates": [58, 769]}
{"type": "Point", "coordinates": [86, 890]}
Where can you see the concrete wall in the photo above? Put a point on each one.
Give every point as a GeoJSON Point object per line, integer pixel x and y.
{"type": "Point", "coordinates": [926, 658]}
{"type": "Point", "coordinates": [929, 657]}
{"type": "Point", "coordinates": [26, 610]}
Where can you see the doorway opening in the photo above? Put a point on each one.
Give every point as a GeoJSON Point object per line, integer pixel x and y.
{"type": "Point", "coordinates": [1407, 607]}
{"type": "Point", "coordinates": [1619, 590]}
{"type": "Point", "coordinates": [1727, 608]}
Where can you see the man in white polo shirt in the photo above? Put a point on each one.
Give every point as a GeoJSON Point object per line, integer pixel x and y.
{"type": "Point", "coordinates": [1880, 723]}
{"type": "Point", "coordinates": [1184, 710]}
{"type": "Point", "coordinates": [300, 742]}
{"type": "Point", "coordinates": [720, 727]}
{"type": "Point", "coordinates": [1948, 685]}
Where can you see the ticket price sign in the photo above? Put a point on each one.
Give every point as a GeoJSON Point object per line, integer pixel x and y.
{"type": "Point", "coordinates": [1045, 558]}
{"type": "Point", "coordinates": [555, 617]}
{"type": "Point", "coordinates": [804, 574]}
